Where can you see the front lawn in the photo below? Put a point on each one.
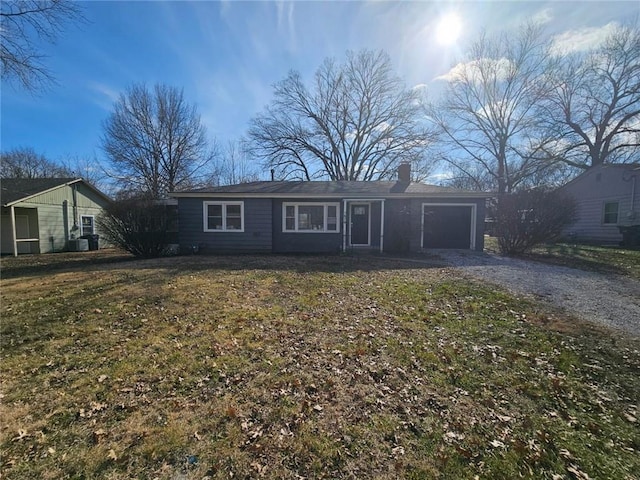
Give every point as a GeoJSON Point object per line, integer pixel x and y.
{"type": "Point", "coordinates": [303, 367]}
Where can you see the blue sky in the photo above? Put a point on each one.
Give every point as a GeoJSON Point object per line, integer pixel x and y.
{"type": "Point", "coordinates": [227, 55]}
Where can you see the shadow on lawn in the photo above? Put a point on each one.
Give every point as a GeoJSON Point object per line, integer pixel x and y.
{"type": "Point", "coordinates": [41, 264]}
{"type": "Point", "coordinates": [36, 265]}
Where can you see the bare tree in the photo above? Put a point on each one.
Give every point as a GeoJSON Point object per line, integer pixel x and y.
{"type": "Point", "coordinates": [486, 118]}
{"type": "Point", "coordinates": [357, 121]}
{"type": "Point", "coordinates": [24, 162]}
{"type": "Point", "coordinates": [594, 108]}
{"type": "Point", "coordinates": [22, 24]}
{"type": "Point", "coordinates": [155, 141]}
{"type": "Point", "coordinates": [88, 168]}
{"type": "Point", "coordinates": [234, 165]}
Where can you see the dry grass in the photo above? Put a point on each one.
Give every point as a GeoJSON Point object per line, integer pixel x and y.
{"type": "Point", "coordinates": [302, 367]}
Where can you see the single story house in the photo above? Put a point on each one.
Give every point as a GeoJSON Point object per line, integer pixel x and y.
{"type": "Point", "coordinates": [330, 216]}
{"type": "Point", "coordinates": [607, 198]}
{"type": "Point", "coordinates": [41, 215]}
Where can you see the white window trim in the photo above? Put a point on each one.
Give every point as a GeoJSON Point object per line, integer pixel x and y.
{"type": "Point", "coordinates": [224, 229]}
{"type": "Point", "coordinates": [310, 204]}
{"type": "Point", "coordinates": [604, 214]}
{"type": "Point", "coordinates": [474, 207]}
{"type": "Point", "coordinates": [93, 224]}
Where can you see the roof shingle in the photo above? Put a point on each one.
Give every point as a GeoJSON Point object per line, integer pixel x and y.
{"type": "Point", "coordinates": [328, 188]}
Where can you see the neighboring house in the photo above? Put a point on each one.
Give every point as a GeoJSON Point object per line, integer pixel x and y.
{"type": "Point", "coordinates": [607, 197]}
{"type": "Point", "coordinates": [41, 215]}
{"type": "Point", "coordinates": [332, 216]}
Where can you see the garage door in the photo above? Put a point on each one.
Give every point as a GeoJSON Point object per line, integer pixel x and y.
{"type": "Point", "coordinates": [447, 226]}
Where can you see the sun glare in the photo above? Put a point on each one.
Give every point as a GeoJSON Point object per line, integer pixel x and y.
{"type": "Point", "coordinates": [448, 29]}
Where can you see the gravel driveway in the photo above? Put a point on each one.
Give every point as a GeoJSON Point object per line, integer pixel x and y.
{"type": "Point", "coordinates": [611, 300]}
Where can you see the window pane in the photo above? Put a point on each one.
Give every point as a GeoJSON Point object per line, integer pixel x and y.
{"type": "Point", "coordinates": [87, 225]}
{"type": "Point", "coordinates": [311, 217]}
{"type": "Point", "coordinates": [611, 212]}
{"type": "Point", "coordinates": [290, 224]}
{"type": "Point", "coordinates": [234, 223]}
{"type": "Point", "coordinates": [234, 218]}
{"type": "Point", "coordinates": [332, 218]}
{"type": "Point", "coordinates": [214, 217]}
{"type": "Point", "coordinates": [233, 211]}
{"type": "Point", "coordinates": [290, 217]}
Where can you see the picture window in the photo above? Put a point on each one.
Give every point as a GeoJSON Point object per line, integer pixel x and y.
{"type": "Point", "coordinates": [310, 217]}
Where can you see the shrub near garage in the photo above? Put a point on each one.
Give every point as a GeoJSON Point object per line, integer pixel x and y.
{"type": "Point", "coordinates": [530, 217]}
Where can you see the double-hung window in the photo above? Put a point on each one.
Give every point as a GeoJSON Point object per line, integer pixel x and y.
{"type": "Point", "coordinates": [310, 217]}
{"type": "Point", "coordinates": [87, 225]}
{"type": "Point", "coordinates": [223, 216]}
{"type": "Point", "coordinates": [610, 216]}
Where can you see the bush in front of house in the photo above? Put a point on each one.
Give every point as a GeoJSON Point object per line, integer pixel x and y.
{"type": "Point", "coordinates": [530, 217]}
{"type": "Point", "coordinates": [140, 226]}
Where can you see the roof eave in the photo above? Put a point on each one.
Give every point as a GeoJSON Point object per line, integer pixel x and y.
{"type": "Point", "coordinates": [380, 196]}
{"type": "Point", "coordinates": [65, 184]}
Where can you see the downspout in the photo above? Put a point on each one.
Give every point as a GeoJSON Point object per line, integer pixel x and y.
{"type": "Point", "coordinates": [13, 231]}
{"type": "Point", "coordinates": [74, 195]}
{"type": "Point", "coordinates": [633, 194]}
{"type": "Point", "coordinates": [381, 226]}
{"type": "Point", "coordinates": [344, 226]}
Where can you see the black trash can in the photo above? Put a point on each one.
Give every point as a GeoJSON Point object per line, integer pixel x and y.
{"type": "Point", "coordinates": [630, 235]}
{"type": "Point", "coordinates": [93, 240]}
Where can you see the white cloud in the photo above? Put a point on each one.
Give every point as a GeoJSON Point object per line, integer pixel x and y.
{"type": "Point", "coordinates": [286, 22]}
{"type": "Point", "coordinates": [542, 17]}
{"type": "Point", "coordinates": [439, 178]}
{"type": "Point", "coordinates": [106, 97]}
{"type": "Point", "coordinates": [582, 40]}
{"type": "Point", "coordinates": [470, 71]}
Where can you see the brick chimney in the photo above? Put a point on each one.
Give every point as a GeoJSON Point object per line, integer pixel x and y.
{"type": "Point", "coordinates": [404, 172]}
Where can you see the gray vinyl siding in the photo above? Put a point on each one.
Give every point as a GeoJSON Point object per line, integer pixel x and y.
{"type": "Point", "coordinates": [256, 236]}
{"type": "Point", "coordinates": [591, 191]}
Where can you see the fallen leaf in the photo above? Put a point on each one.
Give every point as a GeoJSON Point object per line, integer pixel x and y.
{"type": "Point", "coordinates": [564, 453]}
{"type": "Point", "coordinates": [112, 455]}
{"type": "Point", "coordinates": [577, 473]}
{"type": "Point", "coordinates": [102, 378]}
{"type": "Point", "coordinates": [397, 450]}
{"type": "Point", "coordinates": [22, 434]}
{"type": "Point", "coordinates": [197, 436]}
{"type": "Point", "coordinates": [496, 444]}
